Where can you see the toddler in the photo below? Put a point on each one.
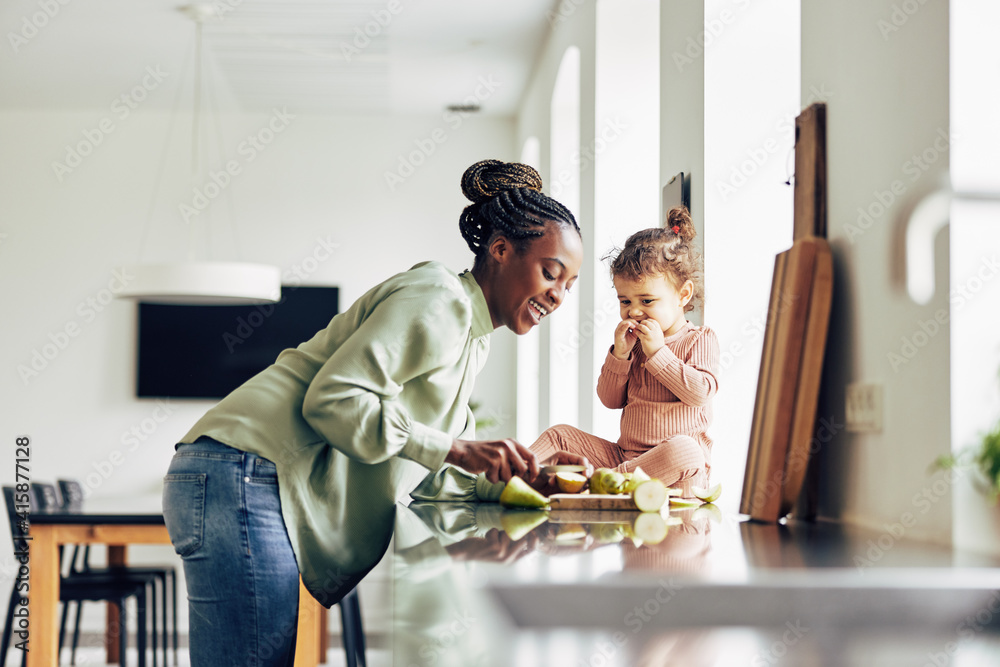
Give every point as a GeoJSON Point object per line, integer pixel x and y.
{"type": "Point", "coordinates": [661, 369]}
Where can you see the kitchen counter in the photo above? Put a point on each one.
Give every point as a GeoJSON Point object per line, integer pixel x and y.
{"type": "Point", "coordinates": [716, 590]}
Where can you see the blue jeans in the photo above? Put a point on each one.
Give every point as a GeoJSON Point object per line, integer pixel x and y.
{"type": "Point", "coordinates": [223, 514]}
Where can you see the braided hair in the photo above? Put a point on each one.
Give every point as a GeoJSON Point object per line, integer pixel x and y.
{"type": "Point", "coordinates": [666, 251]}
{"type": "Point", "coordinates": [506, 201]}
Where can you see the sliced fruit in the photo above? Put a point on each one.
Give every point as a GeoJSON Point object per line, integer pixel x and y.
{"type": "Point", "coordinates": [649, 495]}
{"type": "Point", "coordinates": [570, 482]}
{"type": "Point", "coordinates": [634, 478]}
{"type": "Point", "coordinates": [563, 467]}
{"type": "Point", "coordinates": [709, 495]}
{"type": "Point", "coordinates": [674, 491]}
{"type": "Point", "coordinates": [518, 523]}
{"type": "Point", "coordinates": [517, 493]}
{"type": "Point", "coordinates": [650, 528]}
{"type": "Point", "coordinates": [605, 480]}
{"type": "Point", "coordinates": [681, 503]}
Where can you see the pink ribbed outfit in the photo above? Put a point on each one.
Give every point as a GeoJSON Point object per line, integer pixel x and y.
{"type": "Point", "coordinates": [667, 408]}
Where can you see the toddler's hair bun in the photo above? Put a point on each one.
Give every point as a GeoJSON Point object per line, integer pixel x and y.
{"type": "Point", "coordinates": [679, 222]}
{"type": "Point", "coordinates": [488, 178]}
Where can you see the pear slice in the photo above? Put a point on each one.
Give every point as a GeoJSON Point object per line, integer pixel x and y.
{"type": "Point", "coordinates": [649, 495]}
{"type": "Point", "coordinates": [709, 495]}
{"type": "Point", "coordinates": [570, 482]}
{"type": "Point", "coordinates": [517, 493]}
{"type": "Point", "coordinates": [682, 503]}
{"type": "Point", "coordinates": [517, 524]}
{"type": "Point", "coordinates": [650, 528]}
{"type": "Point", "coordinates": [634, 478]}
{"type": "Point", "coordinates": [607, 481]}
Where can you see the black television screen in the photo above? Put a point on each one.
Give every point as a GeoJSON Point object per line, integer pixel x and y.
{"type": "Point", "coordinates": [207, 351]}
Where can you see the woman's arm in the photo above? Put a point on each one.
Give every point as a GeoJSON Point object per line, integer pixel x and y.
{"type": "Point", "coordinates": [692, 380]}
{"type": "Point", "coordinates": [354, 399]}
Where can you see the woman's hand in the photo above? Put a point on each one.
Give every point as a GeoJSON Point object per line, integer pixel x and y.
{"type": "Point", "coordinates": [499, 459]}
{"type": "Point", "coordinates": [546, 484]}
{"type": "Point", "coordinates": [624, 338]}
{"type": "Point", "coordinates": [562, 457]}
{"type": "Point", "coordinates": [650, 336]}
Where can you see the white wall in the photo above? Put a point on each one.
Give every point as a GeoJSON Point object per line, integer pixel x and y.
{"type": "Point", "coordinates": [975, 240]}
{"type": "Point", "coordinates": [627, 184]}
{"type": "Point", "coordinates": [889, 71]}
{"type": "Point", "coordinates": [572, 24]}
{"type": "Point", "coordinates": [615, 166]}
{"type": "Point", "coordinates": [748, 207]}
{"type": "Point", "coordinates": [322, 180]}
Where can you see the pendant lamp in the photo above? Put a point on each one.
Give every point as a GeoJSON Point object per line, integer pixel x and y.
{"type": "Point", "coordinates": [193, 281]}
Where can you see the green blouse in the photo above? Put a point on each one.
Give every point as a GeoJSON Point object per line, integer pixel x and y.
{"type": "Point", "coordinates": [355, 417]}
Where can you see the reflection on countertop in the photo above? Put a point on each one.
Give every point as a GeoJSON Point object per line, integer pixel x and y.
{"type": "Point", "coordinates": [475, 584]}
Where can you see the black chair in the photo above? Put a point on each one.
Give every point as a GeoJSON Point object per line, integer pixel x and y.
{"type": "Point", "coordinates": [352, 632]}
{"type": "Point", "coordinates": [113, 589]}
{"type": "Point", "coordinates": [71, 492]}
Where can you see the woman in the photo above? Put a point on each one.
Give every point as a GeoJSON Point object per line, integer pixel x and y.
{"type": "Point", "coordinates": [299, 469]}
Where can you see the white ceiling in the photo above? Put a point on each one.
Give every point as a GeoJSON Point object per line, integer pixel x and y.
{"type": "Point", "coordinates": [306, 55]}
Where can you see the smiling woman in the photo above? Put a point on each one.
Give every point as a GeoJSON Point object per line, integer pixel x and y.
{"type": "Point", "coordinates": [297, 471]}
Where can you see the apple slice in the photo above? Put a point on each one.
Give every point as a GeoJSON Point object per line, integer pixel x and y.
{"type": "Point", "coordinates": [649, 495]}
{"type": "Point", "coordinates": [570, 482]}
{"type": "Point", "coordinates": [709, 495]}
{"type": "Point", "coordinates": [683, 503]}
{"type": "Point", "coordinates": [517, 493]}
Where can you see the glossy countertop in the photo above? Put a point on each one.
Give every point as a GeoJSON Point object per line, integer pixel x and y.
{"type": "Point", "coordinates": [479, 585]}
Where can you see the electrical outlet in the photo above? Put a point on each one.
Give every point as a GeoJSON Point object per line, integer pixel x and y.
{"type": "Point", "coordinates": [864, 407]}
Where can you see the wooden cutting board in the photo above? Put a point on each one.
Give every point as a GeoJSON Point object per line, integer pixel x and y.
{"type": "Point", "coordinates": [596, 501]}
{"type": "Point", "coordinates": [794, 339]}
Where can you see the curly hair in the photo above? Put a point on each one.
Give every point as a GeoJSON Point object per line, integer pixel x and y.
{"type": "Point", "coordinates": [506, 201]}
{"type": "Point", "coordinates": [666, 251]}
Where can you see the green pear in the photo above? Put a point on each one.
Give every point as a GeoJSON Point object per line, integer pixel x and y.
{"type": "Point", "coordinates": [649, 495]}
{"type": "Point", "coordinates": [635, 478]}
{"type": "Point", "coordinates": [709, 495]}
{"type": "Point", "coordinates": [517, 493]}
{"type": "Point", "coordinates": [605, 480]}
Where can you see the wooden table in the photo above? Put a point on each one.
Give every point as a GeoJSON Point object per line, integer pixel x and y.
{"type": "Point", "coordinates": [117, 528]}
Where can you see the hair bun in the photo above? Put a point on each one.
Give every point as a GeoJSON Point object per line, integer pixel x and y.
{"type": "Point", "coordinates": [488, 178]}
{"type": "Point", "coordinates": [679, 222]}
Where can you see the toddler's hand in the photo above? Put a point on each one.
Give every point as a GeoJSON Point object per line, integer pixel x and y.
{"type": "Point", "coordinates": [650, 337]}
{"type": "Point", "coordinates": [624, 338]}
